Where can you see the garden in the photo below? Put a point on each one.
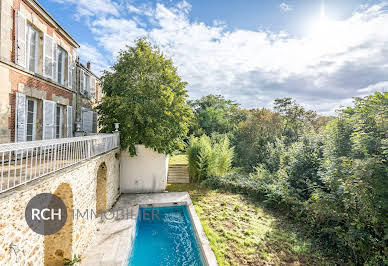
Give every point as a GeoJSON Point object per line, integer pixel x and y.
{"type": "Point", "coordinates": [271, 186]}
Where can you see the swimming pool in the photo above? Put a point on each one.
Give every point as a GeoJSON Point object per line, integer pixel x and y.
{"type": "Point", "coordinates": [165, 236]}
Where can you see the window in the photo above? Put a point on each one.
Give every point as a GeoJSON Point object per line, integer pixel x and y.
{"type": "Point", "coordinates": [61, 58]}
{"type": "Point", "coordinates": [32, 48]}
{"type": "Point", "coordinates": [87, 120]}
{"type": "Point", "coordinates": [31, 118]}
{"type": "Point", "coordinates": [58, 122]}
{"type": "Point", "coordinates": [49, 125]}
{"type": "Point", "coordinates": [87, 85]}
{"type": "Point", "coordinates": [48, 48]}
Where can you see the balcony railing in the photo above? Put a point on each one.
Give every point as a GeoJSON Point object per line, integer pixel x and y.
{"type": "Point", "coordinates": [26, 161]}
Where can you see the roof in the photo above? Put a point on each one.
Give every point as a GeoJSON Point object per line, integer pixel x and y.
{"type": "Point", "coordinates": [46, 15]}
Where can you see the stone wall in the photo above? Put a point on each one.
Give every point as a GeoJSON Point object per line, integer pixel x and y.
{"type": "Point", "coordinates": [76, 184]}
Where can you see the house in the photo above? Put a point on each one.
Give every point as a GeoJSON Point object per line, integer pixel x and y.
{"type": "Point", "coordinates": [44, 89]}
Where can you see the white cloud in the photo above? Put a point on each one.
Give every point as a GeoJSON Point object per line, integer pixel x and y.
{"type": "Point", "coordinates": [286, 7]}
{"type": "Point", "coordinates": [133, 9]}
{"type": "Point", "coordinates": [90, 53]}
{"type": "Point", "coordinates": [338, 60]}
{"type": "Point", "coordinates": [89, 8]}
{"type": "Point", "coordinates": [379, 86]}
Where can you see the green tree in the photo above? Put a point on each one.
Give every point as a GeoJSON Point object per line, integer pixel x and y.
{"type": "Point", "coordinates": [144, 93]}
{"type": "Point", "coordinates": [260, 128]}
{"type": "Point", "coordinates": [296, 118]}
{"type": "Point", "coordinates": [215, 115]}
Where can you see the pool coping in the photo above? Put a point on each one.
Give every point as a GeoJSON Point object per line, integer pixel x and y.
{"type": "Point", "coordinates": [113, 243]}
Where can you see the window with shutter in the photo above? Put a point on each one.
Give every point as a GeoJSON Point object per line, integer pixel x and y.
{"type": "Point", "coordinates": [30, 119]}
{"type": "Point", "coordinates": [20, 121]}
{"type": "Point", "coordinates": [49, 119]}
{"type": "Point", "coordinates": [95, 122]}
{"type": "Point", "coordinates": [20, 39]}
{"type": "Point", "coordinates": [58, 121]}
{"type": "Point", "coordinates": [48, 51]}
{"type": "Point", "coordinates": [55, 62]}
{"type": "Point", "coordinates": [87, 85]}
{"type": "Point", "coordinates": [87, 120]}
{"type": "Point", "coordinates": [81, 81]}
{"type": "Point", "coordinates": [93, 87]}
{"type": "Point", "coordinates": [69, 121]}
{"type": "Point", "coordinates": [32, 48]}
{"type": "Point", "coordinates": [70, 72]}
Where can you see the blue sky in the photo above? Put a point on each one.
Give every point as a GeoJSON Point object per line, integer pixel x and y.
{"type": "Point", "coordinates": [321, 53]}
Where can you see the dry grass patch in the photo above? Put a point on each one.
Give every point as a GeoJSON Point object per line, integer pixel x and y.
{"type": "Point", "coordinates": [241, 232]}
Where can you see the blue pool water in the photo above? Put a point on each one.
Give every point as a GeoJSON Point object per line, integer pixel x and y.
{"type": "Point", "coordinates": [164, 236]}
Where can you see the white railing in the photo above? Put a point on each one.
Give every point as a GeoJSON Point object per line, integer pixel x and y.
{"type": "Point", "coordinates": [26, 161]}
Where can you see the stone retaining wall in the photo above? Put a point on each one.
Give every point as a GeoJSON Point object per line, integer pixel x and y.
{"type": "Point", "coordinates": [77, 185]}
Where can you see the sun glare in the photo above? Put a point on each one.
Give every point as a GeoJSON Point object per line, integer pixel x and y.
{"type": "Point", "coordinates": [322, 28]}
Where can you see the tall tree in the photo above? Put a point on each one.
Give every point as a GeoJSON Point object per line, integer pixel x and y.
{"type": "Point", "coordinates": [144, 93]}
{"type": "Point", "coordinates": [296, 118]}
{"type": "Point", "coordinates": [215, 114]}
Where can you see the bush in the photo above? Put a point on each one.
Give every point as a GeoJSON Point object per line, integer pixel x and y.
{"type": "Point", "coordinates": [335, 183]}
{"type": "Point", "coordinates": [209, 157]}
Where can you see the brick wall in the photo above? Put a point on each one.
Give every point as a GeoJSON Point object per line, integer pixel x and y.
{"type": "Point", "coordinates": [16, 78]}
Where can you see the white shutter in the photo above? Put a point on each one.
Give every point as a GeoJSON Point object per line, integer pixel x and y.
{"type": "Point", "coordinates": [55, 62]}
{"type": "Point", "coordinates": [87, 120]}
{"type": "Point", "coordinates": [48, 56]}
{"type": "Point", "coordinates": [81, 81]}
{"type": "Point", "coordinates": [69, 121]}
{"type": "Point", "coordinates": [93, 87]}
{"type": "Point", "coordinates": [70, 72]}
{"type": "Point", "coordinates": [95, 122]}
{"type": "Point", "coordinates": [20, 121]}
{"type": "Point", "coordinates": [20, 39]}
{"type": "Point", "coordinates": [49, 108]}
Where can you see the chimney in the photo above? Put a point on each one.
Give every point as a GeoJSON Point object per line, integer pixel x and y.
{"type": "Point", "coordinates": [88, 65]}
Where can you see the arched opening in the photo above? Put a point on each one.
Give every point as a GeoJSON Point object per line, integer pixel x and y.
{"type": "Point", "coordinates": [58, 246]}
{"type": "Point", "coordinates": [101, 188]}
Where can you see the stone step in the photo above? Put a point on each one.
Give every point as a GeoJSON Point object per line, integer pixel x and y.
{"type": "Point", "coordinates": [178, 174]}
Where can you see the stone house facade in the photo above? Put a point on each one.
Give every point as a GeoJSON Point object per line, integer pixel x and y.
{"type": "Point", "coordinates": [44, 90]}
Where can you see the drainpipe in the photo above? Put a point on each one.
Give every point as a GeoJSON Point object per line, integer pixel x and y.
{"type": "Point", "coordinates": [78, 132]}
{"type": "Point", "coordinates": [77, 85]}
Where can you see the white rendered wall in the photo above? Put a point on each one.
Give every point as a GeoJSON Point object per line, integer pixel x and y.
{"type": "Point", "coordinates": [146, 172]}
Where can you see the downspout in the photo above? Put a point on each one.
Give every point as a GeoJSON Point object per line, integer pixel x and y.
{"type": "Point", "coordinates": [77, 118]}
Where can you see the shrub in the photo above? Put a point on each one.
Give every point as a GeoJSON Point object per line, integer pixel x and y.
{"type": "Point", "coordinates": [335, 183]}
{"type": "Point", "coordinates": [209, 157]}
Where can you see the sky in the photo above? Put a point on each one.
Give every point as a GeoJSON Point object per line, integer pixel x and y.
{"type": "Point", "coordinates": [319, 52]}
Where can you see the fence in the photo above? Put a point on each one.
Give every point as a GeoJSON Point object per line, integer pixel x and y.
{"type": "Point", "coordinates": [26, 161]}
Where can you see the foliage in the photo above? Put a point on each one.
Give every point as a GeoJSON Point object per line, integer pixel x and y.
{"type": "Point", "coordinates": [260, 128]}
{"type": "Point", "coordinates": [334, 181]}
{"type": "Point", "coordinates": [209, 157]}
{"type": "Point", "coordinates": [147, 97]}
{"type": "Point", "coordinates": [178, 159]}
{"type": "Point", "coordinates": [242, 232]}
{"type": "Point", "coordinates": [75, 260]}
{"type": "Point", "coordinates": [295, 117]}
{"type": "Point", "coordinates": [215, 115]}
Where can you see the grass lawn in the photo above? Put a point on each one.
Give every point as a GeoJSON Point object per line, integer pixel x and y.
{"type": "Point", "coordinates": [241, 232]}
{"type": "Point", "coordinates": [180, 158]}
